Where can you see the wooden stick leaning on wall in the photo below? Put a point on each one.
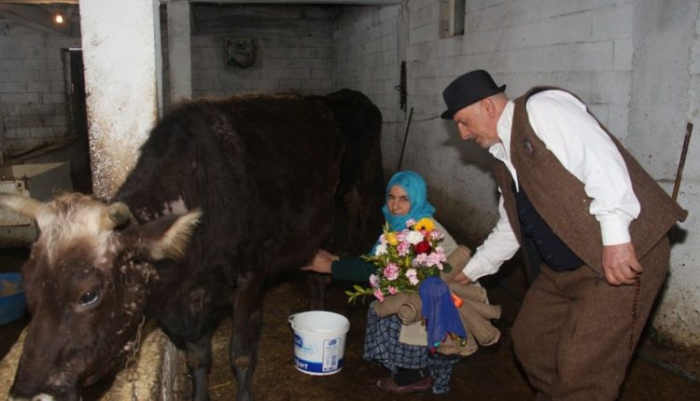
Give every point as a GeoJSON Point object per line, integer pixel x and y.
{"type": "Point", "coordinates": [405, 137]}
{"type": "Point", "coordinates": [681, 163]}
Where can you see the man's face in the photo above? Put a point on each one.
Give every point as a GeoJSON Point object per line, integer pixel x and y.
{"type": "Point", "coordinates": [478, 122]}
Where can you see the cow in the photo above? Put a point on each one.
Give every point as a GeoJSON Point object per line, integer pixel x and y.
{"type": "Point", "coordinates": [224, 194]}
{"type": "Point", "coordinates": [360, 193]}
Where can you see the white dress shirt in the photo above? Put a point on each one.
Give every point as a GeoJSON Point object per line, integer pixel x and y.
{"type": "Point", "coordinates": [586, 151]}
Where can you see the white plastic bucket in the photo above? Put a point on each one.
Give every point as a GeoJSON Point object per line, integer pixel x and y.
{"type": "Point", "coordinates": [319, 341]}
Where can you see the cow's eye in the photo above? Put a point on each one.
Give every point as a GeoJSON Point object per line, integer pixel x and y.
{"type": "Point", "coordinates": [89, 298]}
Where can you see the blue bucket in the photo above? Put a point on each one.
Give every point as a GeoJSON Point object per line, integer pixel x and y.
{"type": "Point", "coordinates": [13, 302]}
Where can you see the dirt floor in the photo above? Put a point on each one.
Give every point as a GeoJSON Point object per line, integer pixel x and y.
{"type": "Point", "coordinates": [659, 372]}
{"type": "Point", "coordinates": [490, 374]}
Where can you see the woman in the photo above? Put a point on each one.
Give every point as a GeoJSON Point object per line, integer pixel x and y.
{"type": "Point", "coordinates": [413, 367]}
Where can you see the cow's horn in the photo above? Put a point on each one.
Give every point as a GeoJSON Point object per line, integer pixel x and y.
{"type": "Point", "coordinates": [115, 215]}
{"type": "Point", "coordinates": [20, 204]}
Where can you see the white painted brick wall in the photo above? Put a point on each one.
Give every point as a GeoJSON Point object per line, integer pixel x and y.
{"type": "Point", "coordinates": [365, 58]}
{"type": "Point", "coordinates": [294, 53]}
{"type": "Point", "coordinates": [583, 46]}
{"type": "Point", "coordinates": [32, 88]}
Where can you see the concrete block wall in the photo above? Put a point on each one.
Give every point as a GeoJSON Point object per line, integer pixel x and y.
{"type": "Point", "coordinates": [585, 47]}
{"type": "Point", "coordinates": [294, 52]}
{"type": "Point", "coordinates": [665, 98]}
{"type": "Point", "coordinates": [366, 57]}
{"type": "Point", "coordinates": [679, 315]}
{"type": "Point", "coordinates": [33, 106]}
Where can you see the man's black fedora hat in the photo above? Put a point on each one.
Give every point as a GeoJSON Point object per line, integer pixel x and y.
{"type": "Point", "coordinates": [467, 89]}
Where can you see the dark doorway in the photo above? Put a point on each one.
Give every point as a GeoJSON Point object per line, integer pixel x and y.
{"type": "Point", "coordinates": [77, 116]}
{"type": "Point", "coordinates": [76, 92]}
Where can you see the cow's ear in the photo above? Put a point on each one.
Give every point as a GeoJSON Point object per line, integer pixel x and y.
{"type": "Point", "coordinates": [169, 236]}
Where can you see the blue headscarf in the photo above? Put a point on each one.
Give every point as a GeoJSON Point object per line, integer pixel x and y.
{"type": "Point", "coordinates": [417, 192]}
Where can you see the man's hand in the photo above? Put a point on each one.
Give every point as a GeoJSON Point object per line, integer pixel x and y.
{"type": "Point", "coordinates": [461, 278]}
{"type": "Point", "coordinates": [620, 264]}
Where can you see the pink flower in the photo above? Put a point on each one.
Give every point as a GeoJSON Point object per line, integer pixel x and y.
{"type": "Point", "coordinates": [410, 223]}
{"type": "Point", "coordinates": [436, 259]}
{"type": "Point", "coordinates": [378, 294]}
{"type": "Point", "coordinates": [403, 248]}
{"type": "Point", "coordinates": [402, 236]}
{"type": "Point", "coordinates": [392, 290]}
{"type": "Point", "coordinates": [420, 260]}
{"type": "Point", "coordinates": [391, 272]}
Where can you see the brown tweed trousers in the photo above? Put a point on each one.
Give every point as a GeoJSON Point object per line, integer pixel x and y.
{"type": "Point", "coordinates": [575, 334]}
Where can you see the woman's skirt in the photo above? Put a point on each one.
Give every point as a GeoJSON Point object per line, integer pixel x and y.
{"type": "Point", "coordinates": [382, 346]}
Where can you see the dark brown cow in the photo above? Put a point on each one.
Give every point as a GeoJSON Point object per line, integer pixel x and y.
{"type": "Point", "coordinates": [360, 193]}
{"type": "Point", "coordinates": [246, 184]}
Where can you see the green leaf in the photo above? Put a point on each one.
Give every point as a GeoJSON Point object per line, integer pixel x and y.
{"type": "Point", "coordinates": [446, 268]}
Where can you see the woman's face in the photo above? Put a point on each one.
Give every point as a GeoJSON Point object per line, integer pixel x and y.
{"type": "Point", "coordinates": [397, 201]}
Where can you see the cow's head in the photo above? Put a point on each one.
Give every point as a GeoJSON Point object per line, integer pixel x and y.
{"type": "Point", "coordinates": [86, 283]}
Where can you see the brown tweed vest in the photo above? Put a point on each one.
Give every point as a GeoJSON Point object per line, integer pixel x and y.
{"type": "Point", "coordinates": [560, 198]}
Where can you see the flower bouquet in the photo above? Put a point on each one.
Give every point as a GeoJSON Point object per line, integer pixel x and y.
{"type": "Point", "coordinates": [404, 259]}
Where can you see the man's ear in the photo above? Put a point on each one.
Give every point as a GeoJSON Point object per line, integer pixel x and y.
{"type": "Point", "coordinates": [168, 236]}
{"type": "Point", "coordinates": [488, 106]}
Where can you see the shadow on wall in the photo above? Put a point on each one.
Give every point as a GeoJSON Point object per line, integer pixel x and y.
{"type": "Point", "coordinates": [469, 152]}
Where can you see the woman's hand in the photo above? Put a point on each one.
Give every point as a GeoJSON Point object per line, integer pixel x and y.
{"type": "Point", "coordinates": [322, 262]}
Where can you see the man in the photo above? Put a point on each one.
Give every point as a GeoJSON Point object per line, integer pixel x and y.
{"type": "Point", "coordinates": [592, 225]}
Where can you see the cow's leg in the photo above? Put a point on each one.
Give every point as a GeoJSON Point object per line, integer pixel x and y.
{"type": "Point", "coordinates": [198, 355]}
{"type": "Point", "coordinates": [353, 212]}
{"type": "Point", "coordinates": [319, 284]}
{"type": "Point", "coordinates": [247, 320]}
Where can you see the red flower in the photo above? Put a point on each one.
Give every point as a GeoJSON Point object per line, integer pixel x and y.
{"type": "Point", "coordinates": [422, 247]}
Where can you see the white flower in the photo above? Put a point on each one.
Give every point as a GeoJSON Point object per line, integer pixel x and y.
{"type": "Point", "coordinates": [411, 275]}
{"type": "Point", "coordinates": [374, 280]}
{"type": "Point", "coordinates": [414, 237]}
{"type": "Point", "coordinates": [381, 250]}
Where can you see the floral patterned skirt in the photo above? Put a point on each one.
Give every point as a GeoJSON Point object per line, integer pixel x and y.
{"type": "Point", "coordinates": [382, 346]}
